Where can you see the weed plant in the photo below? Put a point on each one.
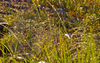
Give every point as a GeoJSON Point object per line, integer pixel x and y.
{"type": "Point", "coordinates": [35, 35]}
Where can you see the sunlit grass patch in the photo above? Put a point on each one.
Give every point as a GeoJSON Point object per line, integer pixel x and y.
{"type": "Point", "coordinates": [39, 34]}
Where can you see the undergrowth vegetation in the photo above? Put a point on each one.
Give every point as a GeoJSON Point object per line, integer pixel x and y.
{"type": "Point", "coordinates": [37, 32]}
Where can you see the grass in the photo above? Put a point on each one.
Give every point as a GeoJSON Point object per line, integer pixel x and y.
{"type": "Point", "coordinates": [36, 37]}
